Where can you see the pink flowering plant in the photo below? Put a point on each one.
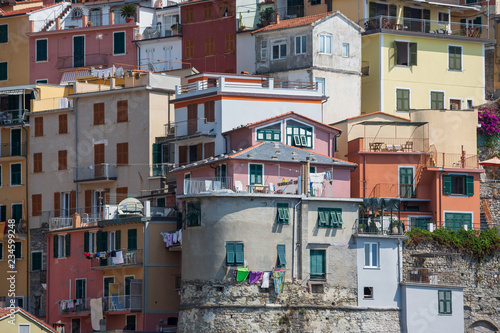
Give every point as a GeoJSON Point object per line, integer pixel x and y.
{"type": "Point", "coordinates": [489, 120]}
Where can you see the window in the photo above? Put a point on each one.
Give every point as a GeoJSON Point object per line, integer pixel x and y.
{"type": "Point", "coordinates": [330, 217]}
{"type": "Point", "coordinates": [458, 185]}
{"type": "Point", "coordinates": [281, 251]}
{"type": "Point", "coordinates": [263, 50]}
{"type": "Point", "coordinates": [444, 299]}
{"type": "Point", "coordinates": [279, 50]}
{"type": "Point", "coordinates": [17, 212]}
{"type": "Point", "coordinates": [437, 100]}
{"type": "Point", "coordinates": [457, 221]}
{"type": "Point", "coordinates": [318, 269]}
{"type": "Point", "coordinates": [115, 240]}
{"type": "Point", "coordinates": [207, 11]}
{"type": "Point", "coordinates": [99, 114]}
{"type": "Point", "coordinates": [402, 99]}
{"type": "Point", "coordinates": [121, 111]}
{"type": "Point", "coordinates": [256, 174]}
{"type": "Point", "coordinates": [221, 174]}
{"type": "Point", "coordinates": [193, 214]}
{"type": "Point", "coordinates": [122, 153]}
{"type": "Point", "coordinates": [325, 44]}
{"type": "Point", "coordinates": [18, 250]}
{"type": "Point", "coordinates": [455, 104]}
{"type": "Point", "coordinates": [345, 50]}
{"type": "Point", "coordinates": [235, 255]}
{"type": "Point", "coordinates": [63, 123]}
{"type": "Point", "coordinates": [454, 58]}
{"type": "Point", "coordinates": [36, 205]}
{"type": "Point", "coordinates": [42, 50]}
{"type": "Point", "coordinates": [132, 239]}
{"type": "Point", "coordinates": [209, 149]}
{"type": "Point", "coordinates": [39, 126]}
{"type": "Point", "coordinates": [405, 53]}
{"type": "Point", "coordinates": [405, 182]}
{"type": "Point", "coordinates": [15, 174]}
{"type": "Point", "coordinates": [4, 33]}
{"type": "Point", "coordinates": [80, 291]}
{"type": "Point", "coordinates": [37, 163]}
{"type": "Point", "coordinates": [118, 42]}
{"type": "Point", "coordinates": [62, 159]}
{"type": "Point", "coordinates": [209, 111]}
{"type": "Point", "coordinates": [315, 2]}
{"type": "Point", "coordinates": [320, 84]}
{"type": "Point", "coordinates": [300, 44]}
{"type": "Point", "coordinates": [269, 134]}
{"type": "Point", "coordinates": [62, 245]}
{"type": "Point", "coordinates": [36, 260]}
{"type": "Point", "coordinates": [1, 186]}
{"type": "Point", "coordinates": [283, 213]}
{"type": "Point", "coordinates": [3, 213]}
{"type": "Point", "coordinates": [1, 251]}
{"type": "Point", "coordinates": [229, 43]}
{"type": "Point", "coordinates": [298, 135]}
{"type": "Point", "coordinates": [443, 18]}
{"type": "Point", "coordinates": [95, 17]}
{"type": "Point", "coordinates": [90, 242]}
{"type": "Point", "coordinates": [187, 183]}
{"type": "Point", "coordinates": [368, 292]}
{"type": "Point", "coordinates": [189, 46]}
{"type": "Point", "coordinates": [209, 46]}
{"type": "Point", "coordinates": [189, 15]}
{"type": "Point", "coordinates": [470, 104]}
{"type": "Point", "coordinates": [225, 10]}
{"type": "Point", "coordinates": [3, 71]}
{"type": "Point", "coordinates": [131, 323]}
{"type": "Point", "coordinates": [99, 154]}
{"type": "Point", "coordinates": [42, 81]}
{"type": "Point", "coordinates": [371, 255]}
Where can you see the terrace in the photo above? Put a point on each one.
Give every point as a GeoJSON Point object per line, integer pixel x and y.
{"type": "Point", "coordinates": [128, 258]}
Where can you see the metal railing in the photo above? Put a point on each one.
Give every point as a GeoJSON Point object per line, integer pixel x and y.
{"type": "Point", "coordinates": [446, 160]}
{"type": "Point", "coordinates": [12, 149]}
{"type": "Point", "coordinates": [206, 185]}
{"type": "Point", "coordinates": [74, 306]}
{"type": "Point", "coordinates": [189, 127]}
{"type": "Point", "coordinates": [94, 172]}
{"type": "Point", "coordinates": [428, 276]}
{"type": "Point", "coordinates": [423, 26]}
{"type": "Point", "coordinates": [93, 59]}
{"type": "Point", "coordinates": [58, 223]}
{"type": "Point", "coordinates": [122, 303]}
{"type": "Point", "coordinates": [392, 190]}
{"type": "Point", "coordinates": [161, 169]}
{"type": "Point", "coordinates": [377, 144]}
{"type": "Point", "coordinates": [378, 226]}
{"type": "Point", "coordinates": [155, 31]}
{"type": "Point", "coordinates": [122, 258]}
{"type": "Point", "coordinates": [56, 103]}
{"type": "Point", "coordinates": [289, 12]}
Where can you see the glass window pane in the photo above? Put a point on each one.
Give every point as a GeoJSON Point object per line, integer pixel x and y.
{"type": "Point", "coordinates": [374, 254]}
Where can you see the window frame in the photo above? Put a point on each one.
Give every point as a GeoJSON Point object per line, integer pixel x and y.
{"type": "Point", "coordinates": [124, 42]}
{"type": "Point", "coordinates": [441, 22]}
{"type": "Point", "coordinates": [20, 174]}
{"type": "Point", "coordinates": [39, 81]}
{"type": "Point", "coordinates": [84, 287]}
{"type": "Point", "coordinates": [235, 261]}
{"type": "Point", "coordinates": [370, 258]}
{"type": "Point", "coordinates": [346, 46]}
{"type": "Point", "coordinates": [411, 55]}
{"type": "Point", "coordinates": [33, 261]}
{"type": "Point", "coordinates": [455, 69]}
{"type": "Point", "coordinates": [281, 255]}
{"type": "Point", "coordinates": [7, 33]}
{"type": "Point", "coordinates": [20, 250]}
{"type": "Point", "coordinates": [263, 50]}
{"type": "Point", "coordinates": [282, 213]}
{"type": "Point", "coordinates": [317, 275]}
{"type": "Point", "coordinates": [46, 50]}
{"type": "Point", "coordinates": [330, 217]}
{"type": "Point", "coordinates": [250, 176]}
{"type": "Point", "coordinates": [290, 138]}
{"type": "Point", "coordinates": [6, 70]}
{"type": "Point", "coordinates": [192, 217]}
{"type": "Point", "coordinates": [322, 39]}
{"type": "Point", "coordinates": [279, 43]}
{"type": "Point", "coordinates": [409, 99]}
{"type": "Point", "coordinates": [442, 299]}
{"type": "Point", "coordinates": [300, 44]}
{"type": "Point", "coordinates": [430, 99]}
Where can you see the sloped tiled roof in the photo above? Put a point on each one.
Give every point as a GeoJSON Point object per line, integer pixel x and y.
{"type": "Point", "coordinates": [19, 11]}
{"type": "Point", "coordinates": [5, 312]}
{"type": "Point", "coordinates": [381, 113]}
{"type": "Point", "coordinates": [275, 152]}
{"type": "Point", "coordinates": [296, 22]}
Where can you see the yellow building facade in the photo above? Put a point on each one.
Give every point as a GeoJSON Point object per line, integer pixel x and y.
{"type": "Point", "coordinates": [21, 321]}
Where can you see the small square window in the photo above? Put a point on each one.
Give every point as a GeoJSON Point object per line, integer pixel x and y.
{"type": "Point", "coordinates": [193, 214]}
{"type": "Point", "coordinates": [325, 44]}
{"type": "Point", "coordinates": [371, 255]}
{"type": "Point", "coordinates": [235, 255]}
{"type": "Point", "coordinates": [345, 50]}
{"type": "Point", "coordinates": [368, 292]}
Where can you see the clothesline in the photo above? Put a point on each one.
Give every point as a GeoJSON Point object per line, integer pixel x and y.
{"type": "Point", "coordinates": [172, 238]}
{"type": "Point", "coordinates": [278, 276]}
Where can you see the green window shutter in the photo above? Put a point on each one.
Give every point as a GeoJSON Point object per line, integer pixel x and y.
{"type": "Point", "coordinates": [86, 238]}
{"type": "Point", "coordinates": [3, 71]}
{"type": "Point", "coordinates": [447, 299]}
{"type": "Point", "coordinates": [68, 245]}
{"type": "Point", "coordinates": [119, 43]}
{"type": "Point", "coordinates": [255, 174]}
{"type": "Point", "coordinates": [413, 54]}
{"type": "Point", "coordinates": [317, 258]}
{"type": "Point", "coordinates": [104, 241]}
{"type": "Point", "coordinates": [240, 256]}
{"type": "Point", "coordinates": [339, 217]}
{"type": "Point", "coordinates": [132, 239]}
{"type": "Point", "coordinates": [18, 250]}
{"type": "Point", "coordinates": [36, 261]}
{"type": "Point", "coordinates": [470, 185]}
{"type": "Point", "coordinates": [281, 255]}
{"type": "Point", "coordinates": [118, 239]}
{"type": "Point", "coordinates": [3, 211]}
{"type": "Point", "coordinates": [230, 254]}
{"type": "Point", "coordinates": [441, 301]}
{"type": "Point", "coordinates": [283, 215]}
{"type": "Point", "coordinates": [323, 217]}
{"type": "Point", "coordinates": [4, 33]}
{"type": "Point", "coordinates": [333, 219]}
{"type": "Point", "coordinates": [395, 53]}
{"type": "Point", "coordinates": [446, 184]}
{"type": "Point", "coordinates": [98, 241]}
{"type": "Point", "coordinates": [56, 246]}
{"type": "Point", "coordinates": [156, 153]}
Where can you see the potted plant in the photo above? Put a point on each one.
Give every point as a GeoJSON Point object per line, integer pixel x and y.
{"type": "Point", "coordinates": [396, 227]}
{"type": "Point", "coordinates": [266, 16]}
{"type": "Point", "coordinates": [176, 28]}
{"type": "Point", "coordinates": [89, 23]}
{"type": "Point", "coordinates": [128, 11]}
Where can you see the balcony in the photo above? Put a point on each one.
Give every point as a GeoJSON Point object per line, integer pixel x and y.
{"type": "Point", "coordinates": [446, 160]}
{"type": "Point", "coordinates": [190, 127]}
{"type": "Point", "coordinates": [74, 307]}
{"type": "Point", "coordinates": [151, 32]}
{"type": "Point", "coordinates": [92, 173]}
{"type": "Point", "coordinates": [81, 219]}
{"type": "Point", "coordinates": [395, 145]}
{"type": "Point", "coordinates": [428, 27]}
{"type": "Point", "coordinates": [95, 59]}
{"type": "Point", "coordinates": [381, 226]}
{"type": "Point", "coordinates": [391, 190]}
{"type": "Point", "coordinates": [119, 303]}
{"type": "Point", "coordinates": [12, 117]}
{"type": "Point", "coordinates": [161, 169]}
{"type": "Point", "coordinates": [429, 276]}
{"type": "Point", "coordinates": [13, 149]}
{"type": "Point", "coordinates": [129, 258]}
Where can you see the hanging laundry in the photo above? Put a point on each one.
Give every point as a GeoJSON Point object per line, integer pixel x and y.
{"type": "Point", "coordinates": [118, 259]}
{"type": "Point", "coordinates": [279, 281]}
{"type": "Point", "coordinates": [174, 238]}
{"type": "Point", "coordinates": [254, 276]}
{"type": "Point", "coordinates": [235, 271]}
{"type": "Point", "coordinates": [265, 280]}
{"type": "Point", "coordinates": [179, 236]}
{"type": "Point", "coordinates": [242, 274]}
{"type": "Point", "coordinates": [71, 305]}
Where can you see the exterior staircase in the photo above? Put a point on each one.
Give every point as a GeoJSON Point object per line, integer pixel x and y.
{"type": "Point", "coordinates": [51, 23]}
{"type": "Point", "coordinates": [486, 218]}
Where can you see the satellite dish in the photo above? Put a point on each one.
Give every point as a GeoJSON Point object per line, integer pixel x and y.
{"type": "Point", "coordinates": [130, 206]}
{"type": "Point", "coordinates": [150, 32]}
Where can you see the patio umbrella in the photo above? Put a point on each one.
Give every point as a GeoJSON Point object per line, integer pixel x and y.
{"type": "Point", "coordinates": [492, 162]}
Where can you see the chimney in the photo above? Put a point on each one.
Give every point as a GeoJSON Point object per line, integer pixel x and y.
{"type": "Point", "coordinates": [58, 23]}
{"type": "Point", "coordinates": [277, 18]}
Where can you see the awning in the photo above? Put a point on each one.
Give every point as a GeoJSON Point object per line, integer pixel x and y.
{"type": "Point", "coordinates": [440, 4]}
{"type": "Point", "coordinates": [16, 90]}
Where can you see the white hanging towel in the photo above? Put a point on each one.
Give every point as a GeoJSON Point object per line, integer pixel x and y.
{"type": "Point", "coordinates": [265, 280]}
{"type": "Point", "coordinates": [96, 312]}
{"type": "Point", "coordinates": [118, 259]}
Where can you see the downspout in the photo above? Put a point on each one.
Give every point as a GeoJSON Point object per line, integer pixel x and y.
{"type": "Point", "coordinates": [75, 100]}
{"type": "Point", "coordinates": [27, 210]}
{"type": "Point", "coordinates": [139, 63]}
{"type": "Point", "coordinates": [364, 176]}
{"type": "Point", "coordinates": [294, 245]}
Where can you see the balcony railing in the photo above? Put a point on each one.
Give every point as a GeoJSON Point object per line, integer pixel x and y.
{"type": "Point", "coordinates": [152, 31]}
{"type": "Point", "coordinates": [394, 145]}
{"type": "Point", "coordinates": [95, 59]}
{"type": "Point", "coordinates": [289, 12]}
{"type": "Point", "coordinates": [161, 169]}
{"type": "Point", "coordinates": [94, 173]}
{"type": "Point", "coordinates": [378, 226]}
{"type": "Point", "coordinates": [12, 149]}
{"type": "Point", "coordinates": [122, 303]}
{"type": "Point", "coordinates": [74, 306]}
{"type": "Point", "coordinates": [445, 160]}
{"type": "Point", "coordinates": [423, 26]}
{"type": "Point", "coordinates": [392, 190]}
{"type": "Point", "coordinates": [81, 219]}
{"type": "Point", "coordinates": [8, 117]}
{"type": "Point", "coordinates": [59, 223]}
{"type": "Point", "coordinates": [189, 127]}
{"type": "Point", "coordinates": [123, 258]}
{"type": "Point", "coordinates": [428, 276]}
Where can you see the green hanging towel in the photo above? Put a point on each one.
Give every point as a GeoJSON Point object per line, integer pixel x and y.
{"type": "Point", "coordinates": [242, 274]}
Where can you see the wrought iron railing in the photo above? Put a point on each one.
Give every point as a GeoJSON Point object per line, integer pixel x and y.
{"type": "Point", "coordinates": [94, 59]}
{"type": "Point", "coordinates": [122, 303]}
{"type": "Point", "coordinates": [122, 258]}
{"type": "Point", "coordinates": [94, 172]}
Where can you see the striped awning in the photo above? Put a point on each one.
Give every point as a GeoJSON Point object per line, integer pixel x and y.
{"type": "Point", "coordinates": [71, 76]}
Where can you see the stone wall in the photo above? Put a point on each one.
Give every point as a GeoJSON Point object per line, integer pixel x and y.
{"type": "Point", "coordinates": [480, 279]}
{"type": "Point", "coordinates": [37, 300]}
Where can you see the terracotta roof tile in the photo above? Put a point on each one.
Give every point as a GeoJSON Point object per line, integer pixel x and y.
{"type": "Point", "coordinates": [6, 311]}
{"type": "Point", "coordinates": [296, 22]}
{"type": "Point", "coordinates": [19, 11]}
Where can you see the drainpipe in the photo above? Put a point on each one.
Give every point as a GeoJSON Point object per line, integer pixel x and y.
{"type": "Point", "coordinates": [295, 245]}
{"type": "Point", "coordinates": [75, 171]}
{"type": "Point", "coordinates": [26, 207]}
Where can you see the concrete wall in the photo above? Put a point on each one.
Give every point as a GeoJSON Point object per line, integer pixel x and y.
{"type": "Point", "coordinates": [246, 53]}
{"type": "Point", "coordinates": [164, 54]}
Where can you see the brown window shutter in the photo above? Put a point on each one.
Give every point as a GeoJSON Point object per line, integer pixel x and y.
{"type": "Point", "coordinates": [99, 154]}
{"type": "Point", "coordinates": [72, 205]}
{"type": "Point", "coordinates": [63, 123]}
{"type": "Point", "coordinates": [63, 159]}
{"type": "Point", "coordinates": [199, 151]}
{"type": "Point", "coordinates": [88, 201]}
{"type": "Point", "coordinates": [57, 202]}
{"type": "Point", "coordinates": [38, 126]}
{"type": "Point", "coordinates": [209, 150]}
{"type": "Point", "coordinates": [122, 111]}
{"type": "Point", "coordinates": [36, 205]}
{"type": "Point", "coordinates": [192, 118]}
{"type": "Point", "coordinates": [121, 194]}
{"type": "Point", "coordinates": [37, 162]}
{"type": "Point", "coordinates": [122, 153]}
{"type": "Point", "coordinates": [98, 113]}
{"type": "Point", "coordinates": [183, 155]}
